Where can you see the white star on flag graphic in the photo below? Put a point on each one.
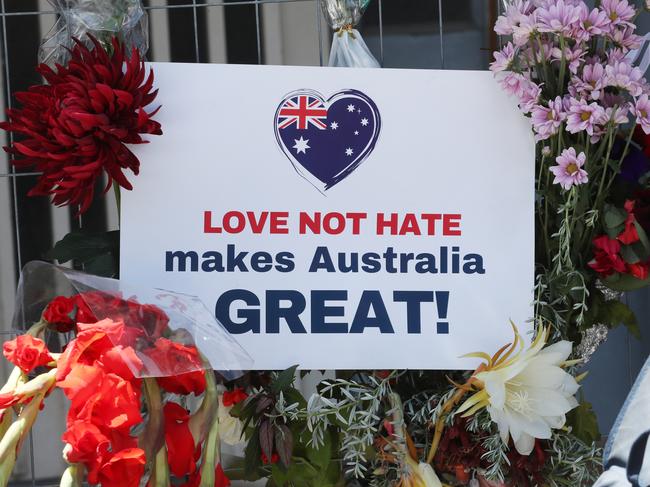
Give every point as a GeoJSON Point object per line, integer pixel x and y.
{"type": "Point", "coordinates": [301, 145]}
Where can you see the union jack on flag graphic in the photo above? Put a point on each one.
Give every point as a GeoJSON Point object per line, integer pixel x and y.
{"type": "Point", "coordinates": [302, 110]}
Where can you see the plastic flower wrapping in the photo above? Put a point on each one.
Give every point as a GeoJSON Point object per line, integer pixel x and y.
{"type": "Point", "coordinates": [348, 47]}
{"type": "Point", "coordinates": [101, 19]}
{"type": "Point", "coordinates": [139, 368]}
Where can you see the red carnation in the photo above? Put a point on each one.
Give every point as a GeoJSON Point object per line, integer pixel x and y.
{"type": "Point", "coordinates": [607, 259]}
{"type": "Point", "coordinates": [79, 124]}
{"type": "Point", "coordinates": [27, 352]}
{"type": "Point", "coordinates": [230, 398]}
{"type": "Point", "coordinates": [638, 270]}
{"type": "Point", "coordinates": [57, 314]}
{"type": "Point", "coordinates": [629, 235]}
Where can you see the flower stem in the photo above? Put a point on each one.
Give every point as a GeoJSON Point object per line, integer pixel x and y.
{"type": "Point", "coordinates": [212, 456]}
{"type": "Point", "coordinates": [440, 423]}
{"type": "Point", "coordinates": [151, 439]}
{"type": "Point", "coordinates": [15, 435]}
{"type": "Point", "coordinates": [73, 476]}
{"type": "Point", "coordinates": [160, 475]}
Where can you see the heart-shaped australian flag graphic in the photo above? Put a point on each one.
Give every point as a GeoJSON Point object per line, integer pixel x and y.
{"type": "Point", "coordinates": [326, 140]}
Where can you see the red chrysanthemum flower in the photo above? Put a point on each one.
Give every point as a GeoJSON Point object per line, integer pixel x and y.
{"type": "Point", "coordinates": [79, 124]}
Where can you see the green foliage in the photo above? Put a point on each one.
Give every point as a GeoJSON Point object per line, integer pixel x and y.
{"type": "Point", "coordinates": [284, 380]}
{"type": "Point", "coordinates": [583, 423]}
{"type": "Point", "coordinates": [97, 253]}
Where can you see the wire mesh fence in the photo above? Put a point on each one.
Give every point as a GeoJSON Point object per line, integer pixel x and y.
{"type": "Point", "coordinates": [401, 34]}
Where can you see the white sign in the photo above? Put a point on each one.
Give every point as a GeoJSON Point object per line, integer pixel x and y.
{"type": "Point", "coordinates": [339, 218]}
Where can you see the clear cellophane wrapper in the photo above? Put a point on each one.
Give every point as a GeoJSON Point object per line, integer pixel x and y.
{"type": "Point", "coordinates": [148, 314]}
{"type": "Point", "coordinates": [348, 47]}
{"type": "Point", "coordinates": [102, 19]}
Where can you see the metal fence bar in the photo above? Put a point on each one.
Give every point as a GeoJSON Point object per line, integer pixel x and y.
{"type": "Point", "coordinates": [12, 170]}
{"type": "Point", "coordinates": [258, 33]}
{"type": "Point", "coordinates": [441, 35]}
{"type": "Point", "coordinates": [195, 14]}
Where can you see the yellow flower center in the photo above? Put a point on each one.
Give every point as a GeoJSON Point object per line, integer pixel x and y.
{"type": "Point", "coordinates": [549, 115]}
{"type": "Point", "coordinates": [644, 114]}
{"type": "Point", "coordinates": [585, 116]}
{"type": "Point", "coordinates": [613, 16]}
{"type": "Point", "coordinates": [572, 168]}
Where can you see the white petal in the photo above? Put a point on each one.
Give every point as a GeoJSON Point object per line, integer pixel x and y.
{"type": "Point", "coordinates": [525, 444]}
{"type": "Point", "coordinates": [557, 353]}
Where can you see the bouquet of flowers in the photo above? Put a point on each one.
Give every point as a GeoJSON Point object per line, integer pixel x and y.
{"type": "Point", "coordinates": [144, 401]}
{"type": "Point", "coordinates": [572, 71]}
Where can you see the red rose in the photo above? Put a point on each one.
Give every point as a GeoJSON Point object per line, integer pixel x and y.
{"type": "Point", "coordinates": [124, 469]}
{"type": "Point", "coordinates": [173, 361]}
{"type": "Point", "coordinates": [230, 398]}
{"type": "Point", "coordinates": [179, 440]}
{"type": "Point", "coordinates": [84, 313]}
{"type": "Point", "coordinates": [607, 259]}
{"type": "Point", "coordinates": [26, 352]}
{"type": "Point", "coordinates": [57, 314]}
{"type": "Point", "coordinates": [638, 270]}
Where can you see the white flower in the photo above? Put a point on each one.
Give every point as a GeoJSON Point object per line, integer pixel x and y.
{"type": "Point", "coordinates": [527, 393]}
{"type": "Point", "coordinates": [230, 428]}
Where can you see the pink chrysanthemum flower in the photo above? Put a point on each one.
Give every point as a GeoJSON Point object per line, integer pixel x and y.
{"type": "Point", "coordinates": [590, 23]}
{"type": "Point", "coordinates": [616, 114]}
{"type": "Point", "coordinates": [547, 119]}
{"type": "Point", "coordinates": [527, 26]}
{"type": "Point", "coordinates": [574, 57]}
{"type": "Point", "coordinates": [503, 58]}
{"type": "Point", "coordinates": [626, 39]}
{"type": "Point", "coordinates": [529, 97]}
{"type": "Point", "coordinates": [621, 74]}
{"type": "Point", "coordinates": [590, 84]}
{"type": "Point", "coordinates": [513, 83]}
{"type": "Point", "coordinates": [618, 11]}
{"type": "Point", "coordinates": [641, 109]}
{"type": "Point", "coordinates": [584, 116]}
{"type": "Point", "coordinates": [568, 171]}
{"type": "Point", "coordinates": [559, 17]}
{"type": "Point", "coordinates": [515, 11]}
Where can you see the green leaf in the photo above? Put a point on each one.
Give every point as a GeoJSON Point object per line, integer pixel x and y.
{"type": "Point", "coordinates": [253, 453]}
{"type": "Point", "coordinates": [266, 438]}
{"type": "Point", "coordinates": [614, 313]}
{"type": "Point", "coordinates": [321, 457]}
{"type": "Point", "coordinates": [614, 217]}
{"type": "Point", "coordinates": [98, 253]}
{"type": "Point", "coordinates": [284, 380]}
{"type": "Point", "coordinates": [625, 282]}
{"type": "Point", "coordinates": [643, 237]}
{"type": "Point", "coordinates": [584, 423]}
{"type": "Point", "coordinates": [284, 443]}
{"type": "Point", "coordinates": [629, 255]}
